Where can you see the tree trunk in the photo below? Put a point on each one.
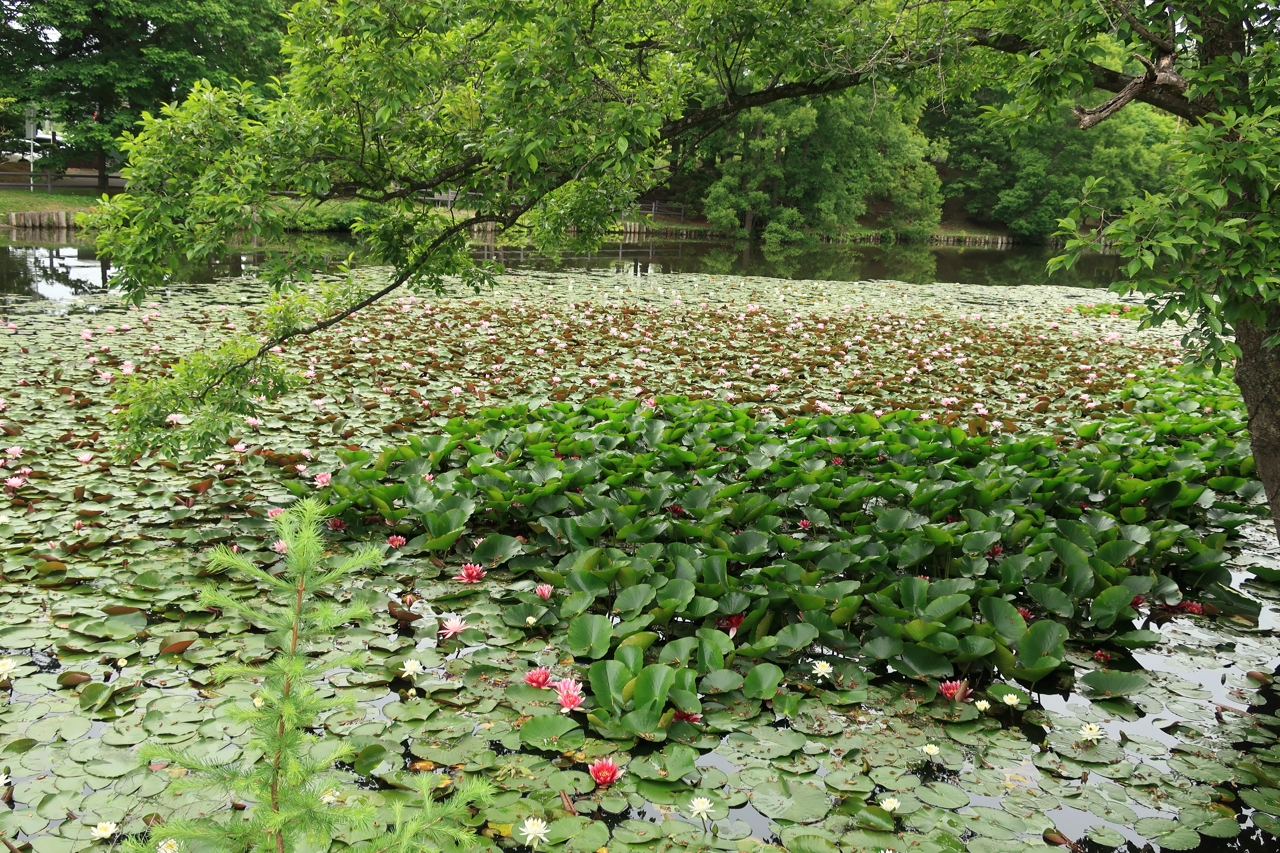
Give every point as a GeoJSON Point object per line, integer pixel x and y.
{"type": "Point", "coordinates": [1258, 377]}
{"type": "Point", "coordinates": [104, 177]}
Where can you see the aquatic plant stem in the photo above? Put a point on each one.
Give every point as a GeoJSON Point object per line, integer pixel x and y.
{"type": "Point", "coordinates": [299, 593]}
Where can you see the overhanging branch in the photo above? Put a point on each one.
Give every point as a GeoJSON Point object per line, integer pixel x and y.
{"type": "Point", "coordinates": [1162, 94]}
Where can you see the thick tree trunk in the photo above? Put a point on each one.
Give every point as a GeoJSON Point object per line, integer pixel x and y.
{"type": "Point", "coordinates": [1258, 376]}
{"type": "Point", "coordinates": [104, 177]}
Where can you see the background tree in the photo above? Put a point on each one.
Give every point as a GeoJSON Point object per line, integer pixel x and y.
{"type": "Point", "coordinates": [1025, 172]}
{"type": "Point", "coordinates": [801, 168]}
{"type": "Point", "coordinates": [1206, 251]}
{"type": "Point", "coordinates": [99, 64]}
{"type": "Point", "coordinates": [550, 115]}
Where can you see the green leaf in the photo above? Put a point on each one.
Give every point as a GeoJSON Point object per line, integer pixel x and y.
{"type": "Point", "coordinates": [1005, 618]}
{"type": "Point", "coordinates": [546, 731]}
{"type": "Point", "coordinates": [1109, 604]}
{"type": "Point", "coordinates": [762, 681]}
{"type": "Point", "coordinates": [589, 635]}
{"type": "Point", "coordinates": [797, 636]}
{"type": "Point", "coordinates": [495, 550]}
{"type": "Point", "coordinates": [1113, 682]}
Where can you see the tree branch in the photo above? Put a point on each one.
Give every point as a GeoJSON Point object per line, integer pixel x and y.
{"type": "Point", "coordinates": [1166, 96]}
{"type": "Point", "coordinates": [737, 103]}
{"type": "Point", "coordinates": [1162, 44]}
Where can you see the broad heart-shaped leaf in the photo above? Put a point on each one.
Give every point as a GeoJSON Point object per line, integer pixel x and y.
{"type": "Point", "coordinates": [791, 799]}
{"type": "Point", "coordinates": [893, 520]}
{"type": "Point", "coordinates": [943, 795]}
{"type": "Point", "coordinates": [1113, 682]}
{"type": "Point", "coordinates": [1005, 618]}
{"type": "Point", "coordinates": [883, 648]}
{"type": "Point", "coordinates": [1117, 551]}
{"type": "Point", "coordinates": [1265, 799]}
{"type": "Point", "coordinates": [1169, 834]}
{"type": "Point", "coordinates": [546, 731]}
{"type": "Point", "coordinates": [973, 648]}
{"type": "Point", "coordinates": [762, 681]}
{"type": "Point", "coordinates": [496, 549]}
{"type": "Point", "coordinates": [912, 551]}
{"type": "Point", "coordinates": [1051, 599]}
{"type": "Point", "coordinates": [1079, 574]}
{"type": "Point", "coordinates": [94, 696]}
{"type": "Point", "coordinates": [367, 760]}
{"type": "Point", "coordinates": [1044, 639]}
{"type": "Point", "coordinates": [679, 760]}
{"type": "Point", "coordinates": [652, 685]}
{"type": "Point", "coordinates": [721, 681]}
{"type": "Point", "coordinates": [913, 592]}
{"type": "Point", "coordinates": [607, 678]}
{"type": "Point", "coordinates": [942, 609]}
{"type": "Point", "coordinates": [917, 660]}
{"type": "Point", "coordinates": [589, 635]}
{"type": "Point", "coordinates": [874, 817]}
{"type": "Point", "coordinates": [633, 598]}
{"type": "Point", "coordinates": [797, 636]}
{"type": "Point", "coordinates": [1109, 604]}
{"type": "Point", "coordinates": [1139, 639]}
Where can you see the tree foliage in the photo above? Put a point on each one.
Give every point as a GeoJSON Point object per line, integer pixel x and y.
{"type": "Point", "coordinates": [815, 166]}
{"type": "Point", "coordinates": [1025, 171]}
{"type": "Point", "coordinates": [99, 64]}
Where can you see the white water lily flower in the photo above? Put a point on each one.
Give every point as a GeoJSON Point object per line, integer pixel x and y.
{"type": "Point", "coordinates": [331, 796]}
{"type": "Point", "coordinates": [7, 665]}
{"type": "Point", "coordinates": [1090, 732]}
{"type": "Point", "coordinates": [982, 705]}
{"type": "Point", "coordinates": [822, 669]}
{"type": "Point", "coordinates": [889, 804]}
{"type": "Point", "coordinates": [534, 830]}
{"type": "Point", "coordinates": [258, 701]}
{"type": "Point", "coordinates": [413, 667]}
{"type": "Point", "coordinates": [5, 781]}
{"type": "Point", "coordinates": [104, 830]}
{"type": "Point", "coordinates": [699, 807]}
{"type": "Point", "coordinates": [930, 750]}
{"type": "Point", "coordinates": [1010, 699]}
{"type": "Point", "coordinates": [169, 845]}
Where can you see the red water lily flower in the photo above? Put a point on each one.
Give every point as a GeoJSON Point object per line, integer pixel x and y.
{"type": "Point", "coordinates": [605, 772]}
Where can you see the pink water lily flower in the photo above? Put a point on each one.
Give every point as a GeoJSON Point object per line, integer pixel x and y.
{"type": "Point", "coordinates": [539, 678]}
{"type": "Point", "coordinates": [569, 695]}
{"type": "Point", "coordinates": [545, 591]}
{"type": "Point", "coordinates": [396, 541]}
{"type": "Point", "coordinates": [280, 546]}
{"type": "Point", "coordinates": [84, 458]}
{"type": "Point", "coordinates": [955, 691]}
{"type": "Point", "coordinates": [323, 478]}
{"type": "Point", "coordinates": [275, 511]}
{"type": "Point", "coordinates": [452, 626]}
{"type": "Point", "coordinates": [470, 573]}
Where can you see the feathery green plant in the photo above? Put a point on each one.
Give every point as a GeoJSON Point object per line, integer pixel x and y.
{"type": "Point", "coordinates": [293, 797]}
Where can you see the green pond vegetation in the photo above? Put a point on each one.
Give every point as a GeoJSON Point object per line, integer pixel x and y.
{"type": "Point", "coordinates": [675, 563]}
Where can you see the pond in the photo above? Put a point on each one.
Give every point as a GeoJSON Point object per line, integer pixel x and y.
{"type": "Point", "coordinates": [62, 270]}
{"type": "Point", "coordinates": [704, 446]}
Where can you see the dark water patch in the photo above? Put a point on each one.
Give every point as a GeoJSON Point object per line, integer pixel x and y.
{"type": "Point", "coordinates": [61, 272]}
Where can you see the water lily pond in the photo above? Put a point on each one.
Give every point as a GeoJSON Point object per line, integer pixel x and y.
{"type": "Point", "coordinates": [827, 566]}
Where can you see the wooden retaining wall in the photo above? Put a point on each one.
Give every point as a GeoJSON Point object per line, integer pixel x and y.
{"type": "Point", "coordinates": [60, 219]}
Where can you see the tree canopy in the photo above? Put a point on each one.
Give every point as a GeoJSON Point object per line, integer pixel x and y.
{"type": "Point", "coordinates": [97, 65]}
{"type": "Point", "coordinates": [549, 117]}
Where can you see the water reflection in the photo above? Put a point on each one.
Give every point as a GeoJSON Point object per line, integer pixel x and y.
{"type": "Point", "coordinates": [68, 269]}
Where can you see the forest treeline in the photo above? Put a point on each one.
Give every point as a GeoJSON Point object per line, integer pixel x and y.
{"type": "Point", "coordinates": [840, 166]}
